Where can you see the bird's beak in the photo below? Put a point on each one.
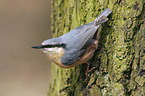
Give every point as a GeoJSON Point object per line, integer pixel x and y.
{"type": "Point", "coordinates": [37, 47]}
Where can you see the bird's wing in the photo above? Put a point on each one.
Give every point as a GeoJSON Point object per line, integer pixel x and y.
{"type": "Point", "coordinates": [86, 37]}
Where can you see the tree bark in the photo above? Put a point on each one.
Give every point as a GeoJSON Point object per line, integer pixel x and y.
{"type": "Point", "coordinates": [120, 57]}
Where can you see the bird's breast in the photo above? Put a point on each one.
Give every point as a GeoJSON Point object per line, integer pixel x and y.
{"type": "Point", "coordinates": [54, 55]}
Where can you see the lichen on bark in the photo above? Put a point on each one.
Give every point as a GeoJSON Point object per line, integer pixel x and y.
{"type": "Point", "coordinates": [121, 54]}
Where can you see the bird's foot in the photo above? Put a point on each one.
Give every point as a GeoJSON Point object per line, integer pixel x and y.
{"type": "Point", "coordinates": [88, 72]}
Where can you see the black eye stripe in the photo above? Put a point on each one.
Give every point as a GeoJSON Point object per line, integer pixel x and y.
{"type": "Point", "coordinates": [54, 45]}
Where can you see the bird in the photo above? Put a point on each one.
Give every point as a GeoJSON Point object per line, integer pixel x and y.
{"type": "Point", "coordinates": [77, 46]}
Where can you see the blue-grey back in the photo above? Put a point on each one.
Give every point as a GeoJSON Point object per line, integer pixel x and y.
{"type": "Point", "coordinates": [76, 41]}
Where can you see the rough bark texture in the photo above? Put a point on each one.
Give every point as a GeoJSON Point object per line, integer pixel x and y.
{"type": "Point", "coordinates": [120, 57]}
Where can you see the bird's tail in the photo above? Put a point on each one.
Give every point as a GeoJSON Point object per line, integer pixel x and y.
{"type": "Point", "coordinates": [101, 19]}
{"type": "Point", "coordinates": [103, 15]}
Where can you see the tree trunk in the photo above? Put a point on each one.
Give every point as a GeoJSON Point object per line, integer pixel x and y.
{"type": "Point", "coordinates": [120, 57]}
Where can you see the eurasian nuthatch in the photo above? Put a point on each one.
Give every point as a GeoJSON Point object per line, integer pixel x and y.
{"type": "Point", "coordinates": [75, 47]}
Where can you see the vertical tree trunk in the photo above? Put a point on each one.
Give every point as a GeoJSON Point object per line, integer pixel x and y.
{"type": "Point", "coordinates": [121, 54]}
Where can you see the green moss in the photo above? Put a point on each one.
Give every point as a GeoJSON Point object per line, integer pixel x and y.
{"type": "Point", "coordinates": [95, 91]}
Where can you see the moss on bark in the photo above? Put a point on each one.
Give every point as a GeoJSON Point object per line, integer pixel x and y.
{"type": "Point", "coordinates": [120, 57]}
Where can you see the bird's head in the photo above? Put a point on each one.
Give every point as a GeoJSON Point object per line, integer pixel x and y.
{"type": "Point", "coordinates": [52, 47]}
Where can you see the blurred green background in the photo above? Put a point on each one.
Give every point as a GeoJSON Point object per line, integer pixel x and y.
{"type": "Point", "coordinates": [23, 70]}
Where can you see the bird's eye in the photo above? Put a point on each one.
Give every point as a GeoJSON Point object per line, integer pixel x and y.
{"type": "Point", "coordinates": [63, 45]}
